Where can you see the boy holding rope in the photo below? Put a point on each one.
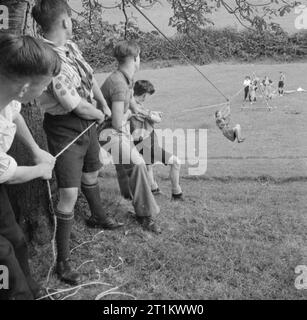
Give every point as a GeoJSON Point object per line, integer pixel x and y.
{"type": "Point", "coordinates": [117, 140]}
{"type": "Point", "coordinates": [27, 66]}
{"type": "Point", "coordinates": [69, 110]}
{"type": "Point", "coordinates": [146, 140]}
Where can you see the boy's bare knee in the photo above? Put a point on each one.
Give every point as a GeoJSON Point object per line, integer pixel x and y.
{"type": "Point", "coordinates": [175, 161]}
{"type": "Point", "coordinates": [139, 161]}
{"type": "Point", "coordinates": [68, 196]}
{"type": "Point", "coordinates": [89, 177]}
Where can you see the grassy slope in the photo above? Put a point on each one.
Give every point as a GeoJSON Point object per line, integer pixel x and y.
{"type": "Point", "coordinates": [242, 229]}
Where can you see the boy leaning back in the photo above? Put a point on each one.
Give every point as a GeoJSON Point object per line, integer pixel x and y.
{"type": "Point", "coordinates": [146, 140]}
{"type": "Point", "coordinates": [116, 137]}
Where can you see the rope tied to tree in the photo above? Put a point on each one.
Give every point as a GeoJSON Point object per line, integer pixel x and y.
{"type": "Point", "coordinates": [186, 58]}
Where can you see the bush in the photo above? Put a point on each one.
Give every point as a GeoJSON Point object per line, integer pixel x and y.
{"type": "Point", "coordinates": [98, 39]}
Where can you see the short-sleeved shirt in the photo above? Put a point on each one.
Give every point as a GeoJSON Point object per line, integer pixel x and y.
{"type": "Point", "coordinates": [74, 83]}
{"type": "Point", "coordinates": [118, 87]}
{"type": "Point", "coordinates": [8, 165]}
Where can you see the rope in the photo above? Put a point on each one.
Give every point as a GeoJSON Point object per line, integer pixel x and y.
{"type": "Point", "coordinates": [187, 59]}
{"type": "Point", "coordinates": [212, 105]}
{"type": "Point", "coordinates": [77, 138]}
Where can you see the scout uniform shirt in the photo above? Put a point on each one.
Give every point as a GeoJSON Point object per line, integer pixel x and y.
{"type": "Point", "coordinates": [74, 83]}
{"type": "Point", "coordinates": [8, 165]}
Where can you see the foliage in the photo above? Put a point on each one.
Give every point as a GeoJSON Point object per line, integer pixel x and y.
{"type": "Point", "coordinates": [203, 46]}
{"type": "Point", "coordinates": [261, 39]}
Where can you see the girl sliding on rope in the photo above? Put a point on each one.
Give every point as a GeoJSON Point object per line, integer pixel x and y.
{"type": "Point", "coordinates": [222, 118]}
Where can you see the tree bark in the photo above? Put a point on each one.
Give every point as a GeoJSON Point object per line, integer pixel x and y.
{"type": "Point", "coordinates": [29, 200]}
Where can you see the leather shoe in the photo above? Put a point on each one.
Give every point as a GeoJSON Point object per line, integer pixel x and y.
{"type": "Point", "coordinates": [107, 223]}
{"type": "Point", "coordinates": [148, 224]}
{"type": "Point", "coordinates": [66, 273]}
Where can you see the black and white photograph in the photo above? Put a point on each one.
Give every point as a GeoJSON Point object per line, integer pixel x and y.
{"type": "Point", "coordinates": [153, 151]}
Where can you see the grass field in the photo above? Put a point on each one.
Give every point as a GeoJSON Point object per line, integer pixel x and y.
{"type": "Point", "coordinates": [242, 229]}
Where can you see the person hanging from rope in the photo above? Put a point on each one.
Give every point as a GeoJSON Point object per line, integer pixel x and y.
{"type": "Point", "coordinates": [27, 66]}
{"type": "Point", "coordinates": [281, 83]}
{"type": "Point", "coordinates": [69, 109]}
{"type": "Point", "coordinates": [222, 118]}
{"type": "Point", "coordinates": [116, 138]}
{"type": "Point", "coordinates": [146, 140]}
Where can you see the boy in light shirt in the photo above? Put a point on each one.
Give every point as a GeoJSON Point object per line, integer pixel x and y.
{"type": "Point", "coordinates": [27, 66]}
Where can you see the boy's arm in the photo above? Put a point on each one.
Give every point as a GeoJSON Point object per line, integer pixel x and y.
{"type": "Point", "coordinates": [227, 119]}
{"type": "Point", "coordinates": [137, 109]}
{"type": "Point", "coordinates": [87, 111]}
{"type": "Point", "coordinates": [24, 135]}
{"type": "Point", "coordinates": [118, 116]}
{"type": "Point", "coordinates": [25, 174]}
{"type": "Point", "coordinates": [101, 101]}
{"type": "Point", "coordinates": [10, 173]}
{"type": "Point", "coordinates": [67, 96]}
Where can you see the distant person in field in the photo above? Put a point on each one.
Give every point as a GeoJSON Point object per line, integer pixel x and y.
{"type": "Point", "coordinates": [222, 119]}
{"type": "Point", "coordinates": [268, 87]}
{"type": "Point", "coordinates": [146, 140]}
{"type": "Point", "coordinates": [281, 83]}
{"type": "Point", "coordinates": [246, 84]}
{"type": "Point", "coordinates": [253, 89]}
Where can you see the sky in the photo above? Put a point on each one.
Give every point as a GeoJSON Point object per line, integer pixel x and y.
{"type": "Point", "coordinates": [161, 13]}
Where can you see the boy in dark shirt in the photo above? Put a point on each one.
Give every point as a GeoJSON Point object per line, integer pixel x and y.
{"type": "Point", "coordinates": [116, 138]}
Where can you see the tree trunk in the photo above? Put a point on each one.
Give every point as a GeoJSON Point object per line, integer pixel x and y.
{"type": "Point", "coordinates": [29, 200]}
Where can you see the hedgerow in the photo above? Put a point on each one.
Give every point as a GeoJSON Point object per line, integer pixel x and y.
{"type": "Point", "coordinates": [98, 39]}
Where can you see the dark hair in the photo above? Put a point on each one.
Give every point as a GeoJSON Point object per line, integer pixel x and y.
{"type": "Point", "coordinates": [47, 12]}
{"type": "Point", "coordinates": [125, 49]}
{"type": "Point", "coordinates": [24, 56]}
{"type": "Point", "coordinates": [143, 86]}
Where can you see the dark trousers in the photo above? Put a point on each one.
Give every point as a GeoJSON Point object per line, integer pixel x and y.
{"type": "Point", "coordinates": [14, 254]}
{"type": "Point", "coordinates": [246, 93]}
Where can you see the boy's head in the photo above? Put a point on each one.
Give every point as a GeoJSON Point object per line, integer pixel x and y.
{"type": "Point", "coordinates": [127, 52]}
{"type": "Point", "coordinates": [53, 15]}
{"type": "Point", "coordinates": [27, 66]}
{"type": "Point", "coordinates": [141, 89]}
{"type": "Point", "coordinates": [247, 77]}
